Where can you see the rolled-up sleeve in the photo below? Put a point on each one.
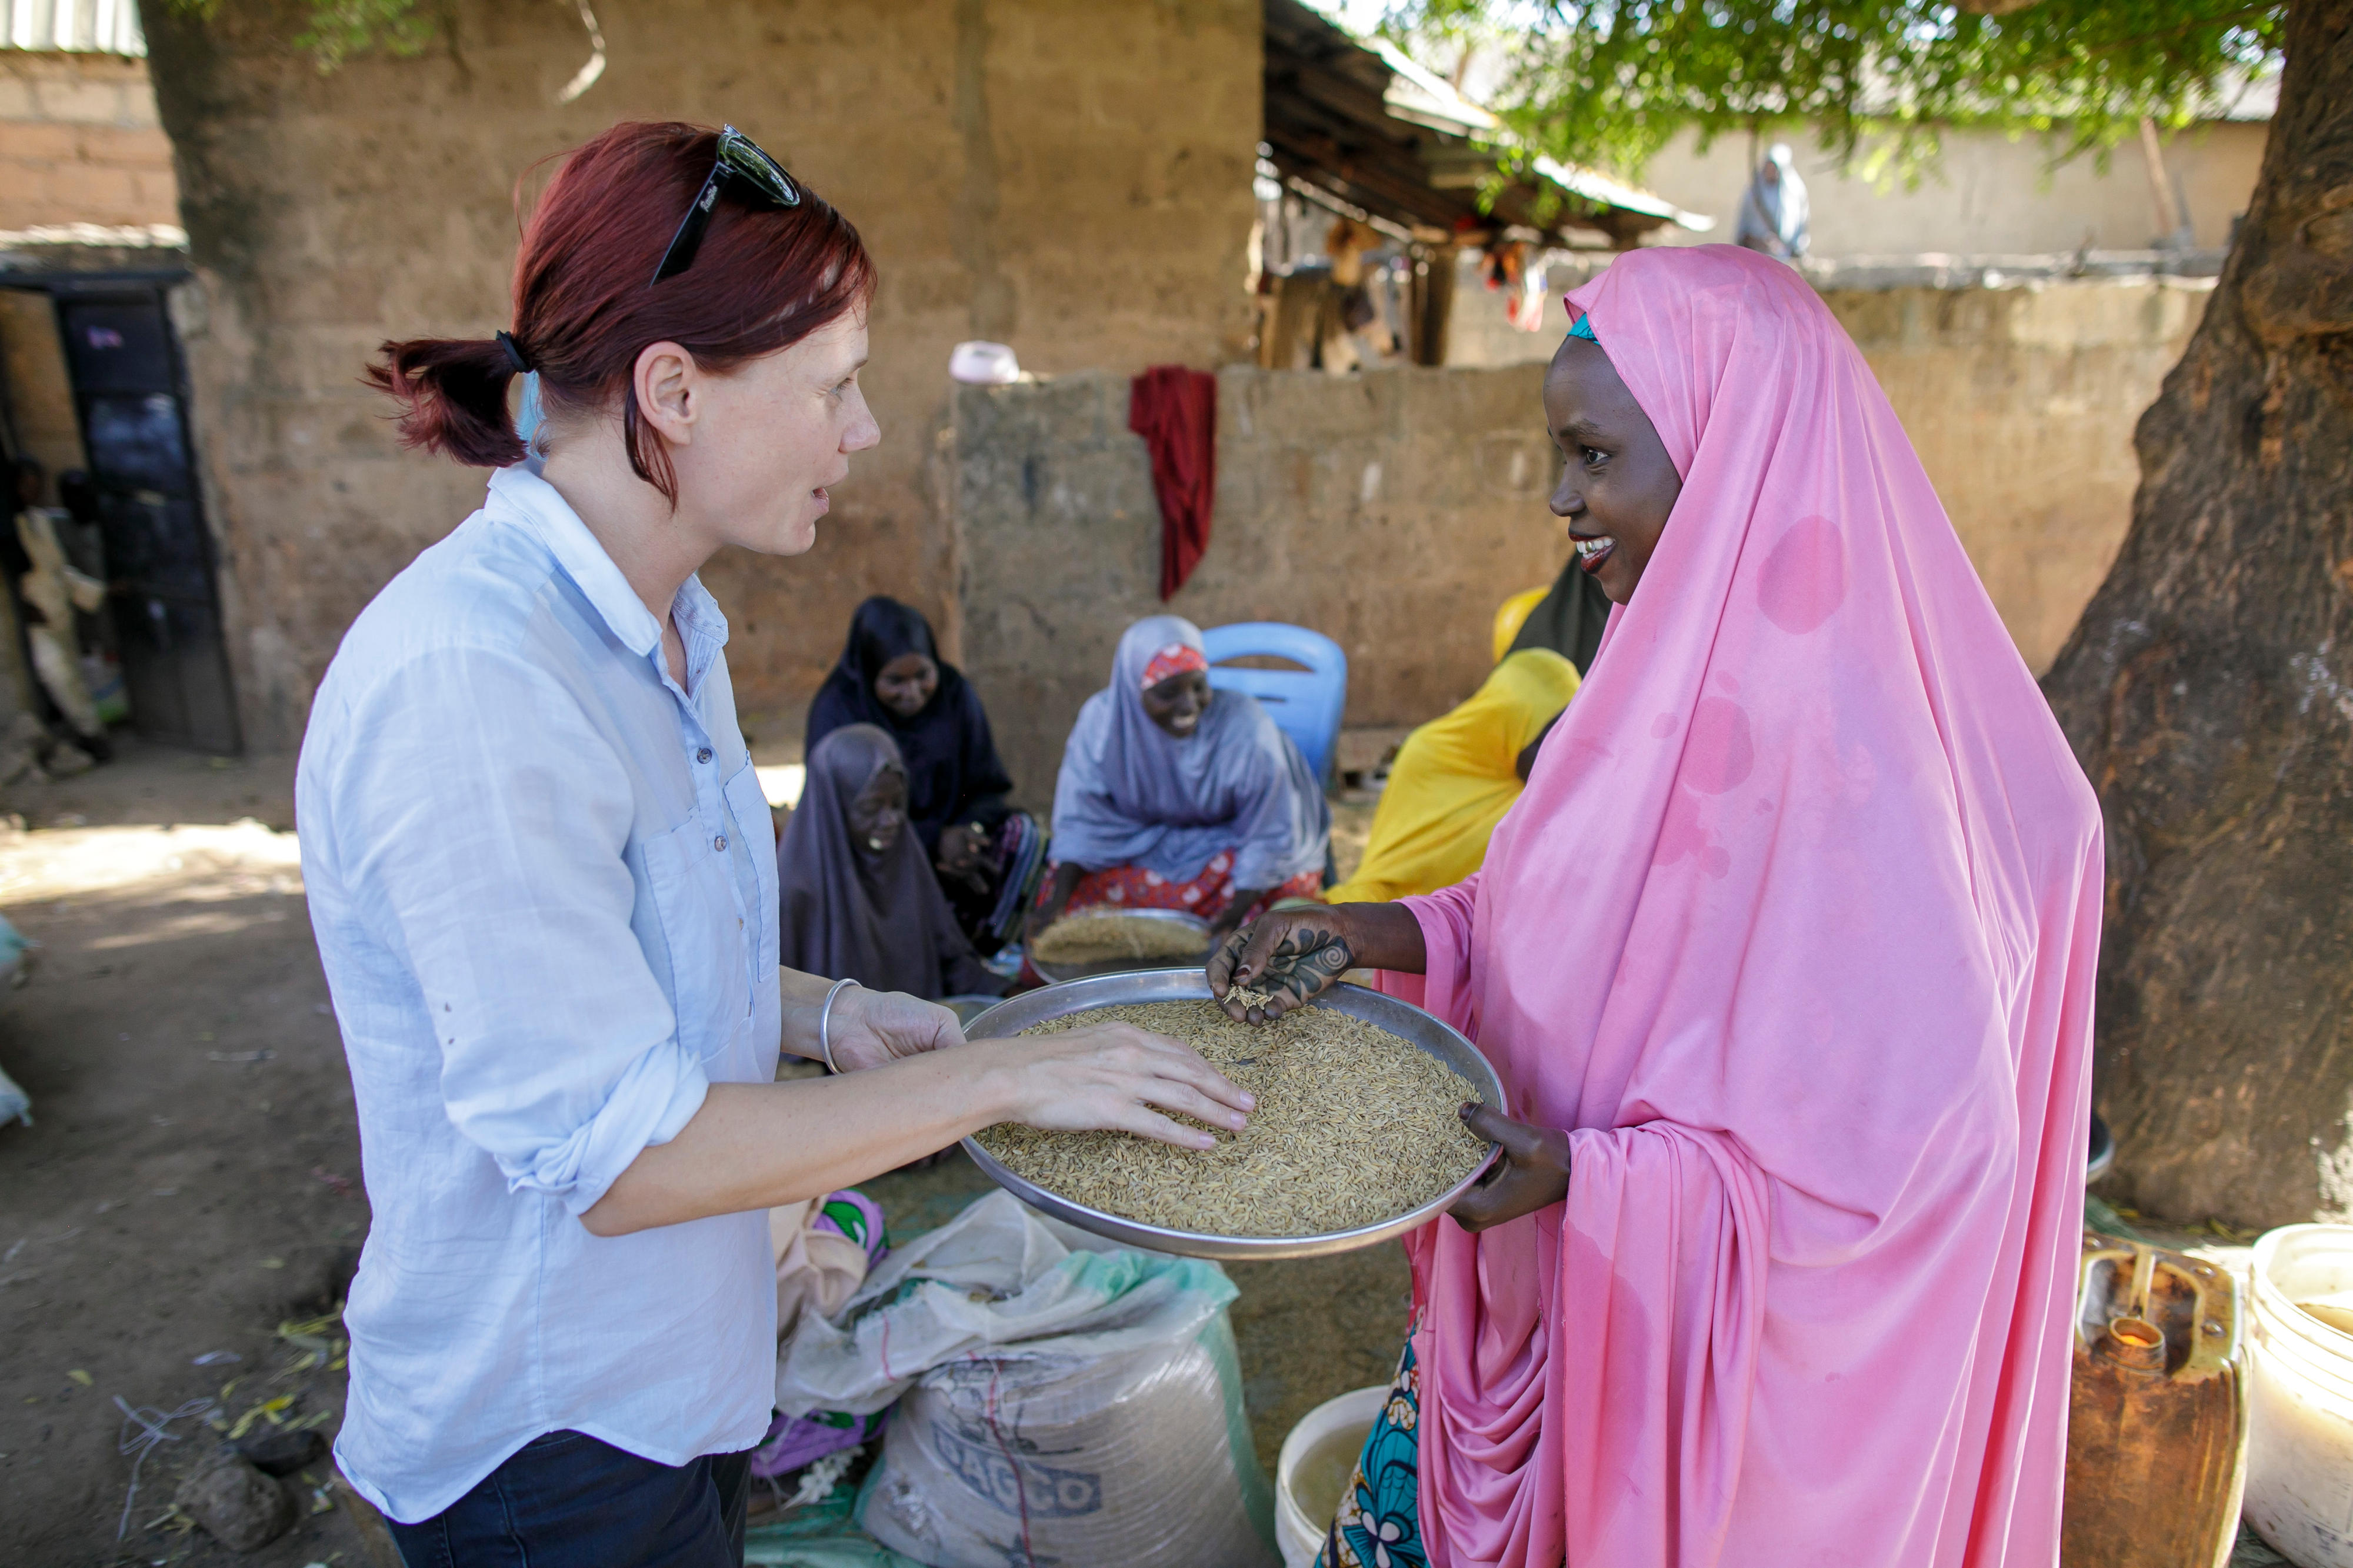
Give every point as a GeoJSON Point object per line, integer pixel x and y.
{"type": "Point", "coordinates": [1447, 918]}
{"type": "Point", "coordinates": [487, 841]}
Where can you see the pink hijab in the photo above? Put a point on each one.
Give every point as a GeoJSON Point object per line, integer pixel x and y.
{"type": "Point", "coordinates": [1794, 929]}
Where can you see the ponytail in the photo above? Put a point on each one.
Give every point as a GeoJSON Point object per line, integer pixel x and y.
{"type": "Point", "coordinates": [453, 397]}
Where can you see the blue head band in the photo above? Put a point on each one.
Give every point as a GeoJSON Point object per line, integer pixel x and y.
{"type": "Point", "coordinates": [1583, 328]}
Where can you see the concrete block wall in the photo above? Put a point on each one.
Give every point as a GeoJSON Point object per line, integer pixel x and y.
{"type": "Point", "coordinates": [2022, 403]}
{"type": "Point", "coordinates": [1988, 192]}
{"type": "Point", "coordinates": [81, 143]}
{"type": "Point", "coordinates": [1392, 511]}
{"type": "Point", "coordinates": [1395, 511]}
{"type": "Point", "coordinates": [1070, 177]}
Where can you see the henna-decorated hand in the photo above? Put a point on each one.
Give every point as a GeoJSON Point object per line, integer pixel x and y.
{"type": "Point", "coordinates": [1532, 1175]}
{"type": "Point", "coordinates": [1290, 956]}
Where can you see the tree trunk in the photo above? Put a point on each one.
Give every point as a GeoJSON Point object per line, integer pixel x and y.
{"type": "Point", "coordinates": [2209, 690]}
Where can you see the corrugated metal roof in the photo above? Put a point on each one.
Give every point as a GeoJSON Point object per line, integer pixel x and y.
{"type": "Point", "coordinates": [82, 26]}
{"type": "Point", "coordinates": [1358, 119]}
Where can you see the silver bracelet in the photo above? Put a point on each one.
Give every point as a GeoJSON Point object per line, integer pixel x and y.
{"type": "Point", "coordinates": [825, 1024]}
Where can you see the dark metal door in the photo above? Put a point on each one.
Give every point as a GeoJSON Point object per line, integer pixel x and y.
{"type": "Point", "coordinates": [128, 388]}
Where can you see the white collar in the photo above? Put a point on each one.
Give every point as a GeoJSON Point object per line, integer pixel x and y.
{"type": "Point", "coordinates": [520, 490]}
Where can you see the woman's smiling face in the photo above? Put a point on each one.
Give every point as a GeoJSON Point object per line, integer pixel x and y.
{"type": "Point", "coordinates": [1177, 703]}
{"type": "Point", "coordinates": [1618, 484]}
{"type": "Point", "coordinates": [905, 685]}
{"type": "Point", "coordinates": [878, 813]}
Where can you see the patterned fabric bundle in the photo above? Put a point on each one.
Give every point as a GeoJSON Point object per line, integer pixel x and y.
{"type": "Point", "coordinates": [793, 1441]}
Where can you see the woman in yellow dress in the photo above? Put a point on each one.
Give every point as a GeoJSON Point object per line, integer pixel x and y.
{"type": "Point", "coordinates": [1455, 778]}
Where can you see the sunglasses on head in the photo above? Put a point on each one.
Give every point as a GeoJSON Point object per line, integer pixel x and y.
{"type": "Point", "coordinates": [757, 174]}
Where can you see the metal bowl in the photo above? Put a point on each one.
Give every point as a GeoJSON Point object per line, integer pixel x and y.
{"type": "Point", "coordinates": [968, 1006]}
{"type": "Point", "coordinates": [1058, 973]}
{"type": "Point", "coordinates": [1410, 1023]}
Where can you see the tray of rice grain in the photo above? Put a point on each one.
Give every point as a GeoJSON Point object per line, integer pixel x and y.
{"type": "Point", "coordinates": [1109, 940]}
{"type": "Point", "coordinates": [1356, 1137]}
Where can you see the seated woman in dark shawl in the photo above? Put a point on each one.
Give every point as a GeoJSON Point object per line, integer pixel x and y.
{"type": "Point", "coordinates": [1173, 796]}
{"type": "Point", "coordinates": [890, 675]}
{"type": "Point", "coordinates": [854, 890]}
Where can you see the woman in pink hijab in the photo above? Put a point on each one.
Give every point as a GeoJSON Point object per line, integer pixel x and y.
{"type": "Point", "coordinates": [1785, 958]}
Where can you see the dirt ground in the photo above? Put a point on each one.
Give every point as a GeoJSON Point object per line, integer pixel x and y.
{"type": "Point", "coordinates": [189, 1183]}
{"type": "Point", "coordinates": [188, 1190]}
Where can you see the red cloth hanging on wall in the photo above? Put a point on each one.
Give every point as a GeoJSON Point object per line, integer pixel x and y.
{"type": "Point", "coordinates": [1175, 412]}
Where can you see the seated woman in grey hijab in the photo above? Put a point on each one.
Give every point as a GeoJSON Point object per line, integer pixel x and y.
{"type": "Point", "coordinates": [855, 890]}
{"type": "Point", "coordinates": [1174, 796]}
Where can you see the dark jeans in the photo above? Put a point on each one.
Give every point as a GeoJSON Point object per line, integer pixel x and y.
{"type": "Point", "coordinates": [567, 1500]}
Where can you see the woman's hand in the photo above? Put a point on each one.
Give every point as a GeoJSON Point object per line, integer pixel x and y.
{"type": "Point", "coordinates": [1109, 1074]}
{"type": "Point", "coordinates": [961, 845]}
{"type": "Point", "coordinates": [757, 1145]}
{"type": "Point", "coordinates": [1244, 901]}
{"type": "Point", "coordinates": [1295, 956]}
{"type": "Point", "coordinates": [1291, 955]}
{"type": "Point", "coordinates": [871, 1027]}
{"type": "Point", "coordinates": [1532, 1175]}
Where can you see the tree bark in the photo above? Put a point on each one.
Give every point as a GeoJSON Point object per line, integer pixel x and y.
{"type": "Point", "coordinates": [2208, 692]}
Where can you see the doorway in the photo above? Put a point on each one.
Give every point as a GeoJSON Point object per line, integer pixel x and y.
{"type": "Point", "coordinates": [130, 396]}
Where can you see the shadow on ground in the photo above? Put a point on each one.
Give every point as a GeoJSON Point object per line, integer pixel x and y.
{"type": "Point", "coordinates": [190, 1179]}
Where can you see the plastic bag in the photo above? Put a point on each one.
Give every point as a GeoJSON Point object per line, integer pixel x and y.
{"type": "Point", "coordinates": [818, 1535]}
{"type": "Point", "coordinates": [1063, 1400]}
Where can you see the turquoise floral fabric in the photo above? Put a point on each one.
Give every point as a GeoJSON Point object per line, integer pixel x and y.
{"type": "Point", "coordinates": [1379, 1525]}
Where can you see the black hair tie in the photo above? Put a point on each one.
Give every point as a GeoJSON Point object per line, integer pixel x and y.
{"type": "Point", "coordinates": [514, 353]}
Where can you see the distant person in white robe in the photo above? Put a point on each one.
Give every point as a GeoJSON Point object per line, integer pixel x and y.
{"type": "Point", "coordinates": [1774, 213]}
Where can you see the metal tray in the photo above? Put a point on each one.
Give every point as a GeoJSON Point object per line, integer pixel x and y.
{"type": "Point", "coordinates": [1057, 972]}
{"type": "Point", "coordinates": [1410, 1023]}
{"type": "Point", "coordinates": [969, 1005]}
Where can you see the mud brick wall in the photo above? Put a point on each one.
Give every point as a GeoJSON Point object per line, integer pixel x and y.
{"type": "Point", "coordinates": [2022, 403]}
{"type": "Point", "coordinates": [1070, 177]}
{"type": "Point", "coordinates": [1392, 511]}
{"type": "Point", "coordinates": [79, 142]}
{"type": "Point", "coordinates": [1395, 509]}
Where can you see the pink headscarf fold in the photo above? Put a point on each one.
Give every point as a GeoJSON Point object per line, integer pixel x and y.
{"type": "Point", "coordinates": [1794, 929]}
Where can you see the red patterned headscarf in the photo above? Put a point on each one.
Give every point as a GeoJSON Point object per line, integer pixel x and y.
{"type": "Point", "coordinates": [1175, 659]}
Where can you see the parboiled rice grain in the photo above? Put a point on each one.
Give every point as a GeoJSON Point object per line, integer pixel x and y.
{"type": "Point", "coordinates": [1353, 1126]}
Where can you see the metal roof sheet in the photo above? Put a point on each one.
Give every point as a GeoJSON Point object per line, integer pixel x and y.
{"type": "Point", "coordinates": [78, 26]}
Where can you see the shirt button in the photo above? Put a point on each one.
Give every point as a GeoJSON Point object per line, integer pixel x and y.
{"type": "Point", "coordinates": [720, 843]}
{"type": "Point", "coordinates": [703, 755]}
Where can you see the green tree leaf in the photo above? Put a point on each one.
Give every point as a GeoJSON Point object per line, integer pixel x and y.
{"type": "Point", "coordinates": [1609, 83]}
{"type": "Point", "coordinates": [340, 29]}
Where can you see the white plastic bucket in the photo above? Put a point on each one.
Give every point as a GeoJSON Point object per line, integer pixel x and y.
{"type": "Point", "coordinates": [1299, 1537]}
{"type": "Point", "coordinates": [2300, 1422]}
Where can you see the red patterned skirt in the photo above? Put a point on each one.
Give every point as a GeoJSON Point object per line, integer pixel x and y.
{"type": "Point", "coordinates": [1208, 893]}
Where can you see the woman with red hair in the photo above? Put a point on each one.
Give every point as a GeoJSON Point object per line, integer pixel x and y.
{"type": "Point", "coordinates": [545, 888]}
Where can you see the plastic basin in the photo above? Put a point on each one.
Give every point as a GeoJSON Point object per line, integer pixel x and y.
{"type": "Point", "coordinates": [1299, 1537]}
{"type": "Point", "coordinates": [2300, 1427]}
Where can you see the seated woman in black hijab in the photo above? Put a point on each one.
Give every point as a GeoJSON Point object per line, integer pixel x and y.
{"type": "Point", "coordinates": [856, 898]}
{"type": "Point", "coordinates": [892, 676]}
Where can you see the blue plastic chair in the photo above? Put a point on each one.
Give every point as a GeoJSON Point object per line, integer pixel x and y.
{"type": "Point", "coordinates": [1306, 704]}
